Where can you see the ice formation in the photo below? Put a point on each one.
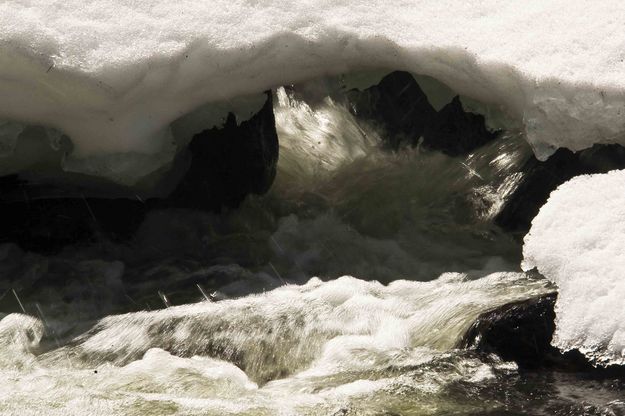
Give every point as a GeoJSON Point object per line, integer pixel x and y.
{"type": "Point", "coordinates": [113, 75]}
{"type": "Point", "coordinates": [577, 241]}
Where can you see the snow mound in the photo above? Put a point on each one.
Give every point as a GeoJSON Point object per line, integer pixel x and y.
{"type": "Point", "coordinates": [578, 241]}
{"type": "Point", "coordinates": [113, 74]}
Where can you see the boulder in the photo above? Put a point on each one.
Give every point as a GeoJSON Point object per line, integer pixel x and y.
{"type": "Point", "coordinates": [541, 178]}
{"type": "Point", "coordinates": [230, 162]}
{"type": "Point", "coordinates": [226, 164]}
{"type": "Point", "coordinates": [400, 109]}
{"type": "Point", "coordinates": [456, 132]}
{"type": "Point", "coordinates": [522, 332]}
{"type": "Point", "coordinates": [397, 106]}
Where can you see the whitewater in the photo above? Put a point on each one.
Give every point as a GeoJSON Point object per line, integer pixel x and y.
{"type": "Point", "coordinates": [214, 314]}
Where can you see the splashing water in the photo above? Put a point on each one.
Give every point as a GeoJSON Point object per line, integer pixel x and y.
{"type": "Point", "coordinates": [282, 352]}
{"type": "Point", "coordinates": [413, 226]}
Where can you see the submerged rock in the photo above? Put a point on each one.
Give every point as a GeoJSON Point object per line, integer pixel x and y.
{"type": "Point", "coordinates": [400, 108]}
{"type": "Point", "coordinates": [522, 332]}
{"type": "Point", "coordinates": [541, 178]}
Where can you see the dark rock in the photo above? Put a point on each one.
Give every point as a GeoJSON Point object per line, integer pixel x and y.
{"type": "Point", "coordinates": [541, 178]}
{"type": "Point", "coordinates": [398, 106]}
{"type": "Point", "coordinates": [519, 332]}
{"type": "Point", "coordinates": [227, 164]}
{"type": "Point", "coordinates": [456, 132]}
{"type": "Point", "coordinates": [230, 162]}
{"type": "Point", "coordinates": [522, 332]}
{"type": "Point", "coordinates": [46, 224]}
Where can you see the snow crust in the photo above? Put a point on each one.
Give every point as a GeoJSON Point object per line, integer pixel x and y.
{"type": "Point", "coordinates": [113, 74]}
{"type": "Point", "coordinates": [578, 241]}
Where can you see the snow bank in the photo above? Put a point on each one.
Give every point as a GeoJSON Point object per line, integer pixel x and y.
{"type": "Point", "coordinates": [113, 74]}
{"type": "Point", "coordinates": [578, 241]}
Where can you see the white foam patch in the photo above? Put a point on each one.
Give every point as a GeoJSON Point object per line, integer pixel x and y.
{"type": "Point", "coordinates": [19, 336]}
{"type": "Point", "coordinates": [162, 367]}
{"type": "Point", "coordinates": [114, 74]}
{"type": "Point", "coordinates": [578, 241]}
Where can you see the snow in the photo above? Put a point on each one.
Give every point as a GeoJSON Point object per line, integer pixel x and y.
{"type": "Point", "coordinates": [578, 241]}
{"type": "Point", "coordinates": [113, 74]}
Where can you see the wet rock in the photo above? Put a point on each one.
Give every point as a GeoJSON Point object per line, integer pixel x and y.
{"type": "Point", "coordinates": [541, 178]}
{"type": "Point", "coordinates": [519, 332]}
{"type": "Point", "coordinates": [36, 221]}
{"type": "Point", "coordinates": [522, 332]}
{"type": "Point", "coordinates": [227, 164]}
{"type": "Point", "coordinates": [399, 107]}
{"type": "Point", "coordinates": [230, 162]}
{"type": "Point", "coordinates": [456, 132]}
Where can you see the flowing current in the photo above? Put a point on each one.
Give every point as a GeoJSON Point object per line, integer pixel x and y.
{"type": "Point", "coordinates": [346, 290]}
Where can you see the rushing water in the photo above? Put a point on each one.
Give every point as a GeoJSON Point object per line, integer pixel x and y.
{"type": "Point", "coordinates": [247, 313]}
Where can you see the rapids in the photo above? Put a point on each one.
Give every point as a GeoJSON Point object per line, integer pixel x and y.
{"type": "Point", "coordinates": [346, 290]}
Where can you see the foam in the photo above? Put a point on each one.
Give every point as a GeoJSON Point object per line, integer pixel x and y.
{"type": "Point", "coordinates": [113, 74]}
{"type": "Point", "coordinates": [296, 350]}
{"type": "Point", "coordinates": [19, 337]}
{"type": "Point", "coordinates": [577, 240]}
{"type": "Point", "coordinates": [318, 320]}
